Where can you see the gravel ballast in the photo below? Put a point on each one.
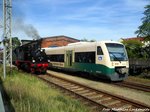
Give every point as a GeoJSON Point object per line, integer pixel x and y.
{"type": "Point", "coordinates": [139, 96]}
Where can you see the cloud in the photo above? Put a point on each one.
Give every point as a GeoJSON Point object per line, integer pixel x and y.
{"type": "Point", "coordinates": [82, 18]}
{"type": "Point", "coordinates": [80, 32]}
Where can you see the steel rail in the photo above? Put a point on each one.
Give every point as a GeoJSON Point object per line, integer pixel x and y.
{"type": "Point", "coordinates": [132, 85]}
{"type": "Point", "coordinates": [101, 98]}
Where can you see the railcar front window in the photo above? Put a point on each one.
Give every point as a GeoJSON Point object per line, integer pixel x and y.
{"type": "Point", "coordinates": [117, 52]}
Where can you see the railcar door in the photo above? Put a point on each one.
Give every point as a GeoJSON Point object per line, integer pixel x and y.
{"type": "Point", "coordinates": [69, 56]}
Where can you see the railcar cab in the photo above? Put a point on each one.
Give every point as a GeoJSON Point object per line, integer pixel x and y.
{"type": "Point", "coordinates": [114, 57]}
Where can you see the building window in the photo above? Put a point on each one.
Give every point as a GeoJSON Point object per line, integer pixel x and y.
{"type": "Point", "coordinates": [52, 46]}
{"type": "Point", "coordinates": [85, 57]}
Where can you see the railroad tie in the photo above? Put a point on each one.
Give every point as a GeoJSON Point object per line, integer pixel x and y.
{"type": "Point", "coordinates": [90, 93]}
{"type": "Point", "coordinates": [69, 86]}
{"type": "Point", "coordinates": [126, 106]}
{"type": "Point", "coordinates": [82, 92]}
{"type": "Point", "coordinates": [78, 89]}
{"type": "Point", "coordinates": [103, 99]}
{"type": "Point", "coordinates": [112, 103]}
{"type": "Point", "coordinates": [95, 97]}
{"type": "Point", "coordinates": [75, 87]}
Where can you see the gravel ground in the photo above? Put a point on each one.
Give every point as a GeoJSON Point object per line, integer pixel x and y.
{"type": "Point", "coordinates": [138, 80]}
{"type": "Point", "coordinates": [140, 96]}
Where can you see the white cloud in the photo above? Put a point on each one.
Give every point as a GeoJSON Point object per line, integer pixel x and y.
{"type": "Point", "coordinates": [90, 19]}
{"type": "Point", "coordinates": [80, 32]}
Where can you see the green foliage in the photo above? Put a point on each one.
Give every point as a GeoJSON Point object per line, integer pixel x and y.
{"type": "Point", "coordinates": [29, 94]}
{"type": "Point", "coordinates": [144, 29]}
{"type": "Point", "coordinates": [134, 49]}
{"type": "Point", "coordinates": [15, 42]}
{"type": "Point", "coordinates": [147, 50]}
{"type": "Point", "coordinates": [86, 40]}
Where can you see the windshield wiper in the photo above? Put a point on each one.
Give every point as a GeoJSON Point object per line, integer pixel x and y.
{"type": "Point", "coordinates": [117, 59]}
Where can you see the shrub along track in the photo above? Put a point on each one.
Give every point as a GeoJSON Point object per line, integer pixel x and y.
{"type": "Point", "coordinates": [132, 85]}
{"type": "Point", "coordinates": [96, 99]}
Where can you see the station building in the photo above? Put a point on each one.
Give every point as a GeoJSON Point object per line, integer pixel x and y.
{"type": "Point", "coordinates": [56, 41]}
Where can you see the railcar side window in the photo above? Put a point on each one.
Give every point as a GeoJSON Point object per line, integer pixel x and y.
{"type": "Point", "coordinates": [99, 50]}
{"type": "Point", "coordinates": [85, 57]}
{"type": "Point", "coordinates": [57, 58]}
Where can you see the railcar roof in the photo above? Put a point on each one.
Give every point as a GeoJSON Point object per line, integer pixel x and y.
{"type": "Point", "coordinates": [82, 44]}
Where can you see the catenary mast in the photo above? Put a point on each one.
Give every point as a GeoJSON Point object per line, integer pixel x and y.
{"type": "Point", "coordinates": [7, 40]}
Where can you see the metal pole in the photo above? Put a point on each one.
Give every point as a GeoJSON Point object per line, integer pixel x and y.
{"type": "Point", "coordinates": [4, 43]}
{"type": "Point", "coordinates": [4, 62]}
{"type": "Point", "coordinates": [7, 41]}
{"type": "Point", "coordinates": [10, 38]}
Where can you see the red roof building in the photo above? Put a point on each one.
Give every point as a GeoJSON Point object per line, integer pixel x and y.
{"type": "Point", "coordinates": [141, 39]}
{"type": "Point", "coordinates": [134, 38]}
{"type": "Point", "coordinates": [56, 41]}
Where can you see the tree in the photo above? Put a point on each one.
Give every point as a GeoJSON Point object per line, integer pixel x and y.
{"type": "Point", "coordinates": [15, 42]}
{"type": "Point", "coordinates": [144, 29]}
{"type": "Point", "coordinates": [135, 49]}
{"type": "Point", "coordinates": [86, 40]}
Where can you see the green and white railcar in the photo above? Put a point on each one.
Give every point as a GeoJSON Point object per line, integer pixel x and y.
{"type": "Point", "coordinates": [105, 59]}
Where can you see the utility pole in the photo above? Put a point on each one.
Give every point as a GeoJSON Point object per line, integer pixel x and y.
{"type": "Point", "coordinates": [7, 40]}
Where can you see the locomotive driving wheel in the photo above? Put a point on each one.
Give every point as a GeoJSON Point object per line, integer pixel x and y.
{"type": "Point", "coordinates": [43, 71]}
{"type": "Point", "coordinates": [32, 70]}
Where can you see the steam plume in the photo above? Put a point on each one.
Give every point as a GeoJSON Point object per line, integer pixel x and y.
{"type": "Point", "coordinates": [28, 29]}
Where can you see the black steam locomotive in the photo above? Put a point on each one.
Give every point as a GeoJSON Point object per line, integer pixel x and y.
{"type": "Point", "coordinates": [31, 58]}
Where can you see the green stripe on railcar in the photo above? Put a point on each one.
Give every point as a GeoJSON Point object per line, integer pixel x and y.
{"type": "Point", "coordinates": [92, 68]}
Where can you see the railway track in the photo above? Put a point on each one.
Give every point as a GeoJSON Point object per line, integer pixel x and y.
{"type": "Point", "coordinates": [96, 99]}
{"type": "Point", "coordinates": [132, 85]}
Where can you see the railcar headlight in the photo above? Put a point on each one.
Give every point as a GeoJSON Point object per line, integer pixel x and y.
{"type": "Point", "coordinates": [33, 61]}
{"type": "Point", "coordinates": [49, 61]}
{"type": "Point", "coordinates": [122, 70]}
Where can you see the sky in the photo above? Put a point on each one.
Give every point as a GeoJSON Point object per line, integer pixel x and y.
{"type": "Point", "coordinates": [90, 19]}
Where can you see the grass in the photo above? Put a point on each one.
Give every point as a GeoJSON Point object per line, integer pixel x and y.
{"type": "Point", "coordinates": [145, 81]}
{"type": "Point", "coordinates": [29, 94]}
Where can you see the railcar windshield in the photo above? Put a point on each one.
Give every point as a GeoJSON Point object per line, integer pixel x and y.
{"type": "Point", "coordinates": [117, 52]}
